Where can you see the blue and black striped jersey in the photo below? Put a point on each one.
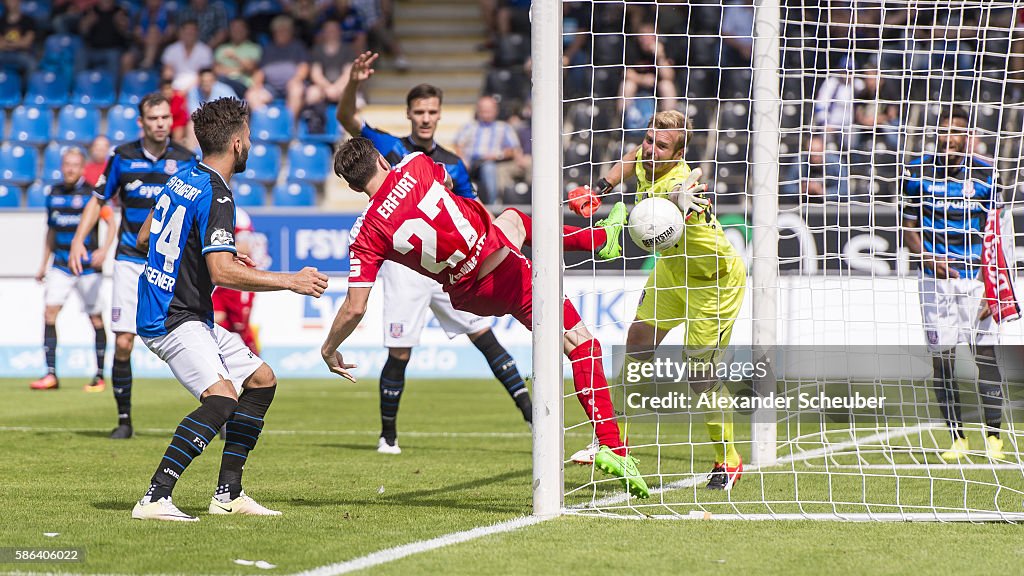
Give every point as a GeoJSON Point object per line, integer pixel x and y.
{"type": "Point", "coordinates": [135, 178]}
{"type": "Point", "coordinates": [394, 149]}
{"type": "Point", "coordinates": [64, 208]}
{"type": "Point", "coordinates": [951, 207]}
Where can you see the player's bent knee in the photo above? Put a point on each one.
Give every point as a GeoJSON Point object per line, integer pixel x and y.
{"type": "Point", "coordinates": [123, 344]}
{"type": "Point", "coordinates": [222, 388]}
{"type": "Point", "coordinates": [263, 377]}
{"type": "Point", "coordinates": [402, 354]}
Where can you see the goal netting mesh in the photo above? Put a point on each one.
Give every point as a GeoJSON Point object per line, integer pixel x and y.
{"type": "Point", "coordinates": [850, 101]}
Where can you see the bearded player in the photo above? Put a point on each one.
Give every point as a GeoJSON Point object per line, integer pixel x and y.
{"type": "Point", "coordinates": [699, 282]}
{"type": "Point", "coordinates": [414, 219]}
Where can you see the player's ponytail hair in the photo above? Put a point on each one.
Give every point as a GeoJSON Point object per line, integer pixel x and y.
{"type": "Point", "coordinates": [217, 122]}
{"type": "Point", "coordinates": [356, 162]}
{"type": "Point", "coordinates": [673, 120]}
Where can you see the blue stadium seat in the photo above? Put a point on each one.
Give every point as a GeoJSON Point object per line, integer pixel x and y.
{"type": "Point", "coordinates": [30, 125]}
{"type": "Point", "coordinates": [294, 194]}
{"type": "Point", "coordinates": [18, 164]}
{"type": "Point", "coordinates": [332, 132]}
{"type": "Point", "coordinates": [10, 196]}
{"type": "Point", "coordinates": [122, 124]}
{"type": "Point", "coordinates": [59, 53]}
{"type": "Point", "coordinates": [46, 88]}
{"type": "Point", "coordinates": [264, 163]}
{"type": "Point", "coordinates": [37, 194]}
{"type": "Point", "coordinates": [10, 88]}
{"type": "Point", "coordinates": [271, 124]}
{"type": "Point", "coordinates": [51, 163]}
{"type": "Point", "coordinates": [78, 124]}
{"type": "Point", "coordinates": [135, 85]}
{"type": "Point", "coordinates": [308, 161]}
{"type": "Point", "coordinates": [249, 193]}
{"type": "Point", "coordinates": [94, 88]}
{"type": "Point", "coordinates": [257, 7]}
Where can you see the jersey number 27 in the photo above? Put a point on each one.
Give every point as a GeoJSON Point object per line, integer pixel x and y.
{"type": "Point", "coordinates": [430, 205]}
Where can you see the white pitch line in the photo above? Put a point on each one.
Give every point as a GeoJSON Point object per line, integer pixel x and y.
{"type": "Point", "coordinates": [413, 434]}
{"type": "Point", "coordinates": [392, 554]}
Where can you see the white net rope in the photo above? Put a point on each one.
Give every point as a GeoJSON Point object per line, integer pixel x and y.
{"type": "Point", "coordinates": [863, 88]}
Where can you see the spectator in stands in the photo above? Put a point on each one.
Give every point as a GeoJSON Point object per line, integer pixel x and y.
{"type": "Point", "coordinates": [211, 19]}
{"type": "Point", "coordinates": [17, 34]}
{"type": "Point", "coordinates": [486, 143]}
{"type": "Point", "coordinates": [283, 70]}
{"type": "Point", "coordinates": [306, 15]}
{"type": "Point", "coordinates": [236, 60]}
{"type": "Point", "coordinates": [833, 104]}
{"type": "Point", "coordinates": [185, 58]}
{"type": "Point", "coordinates": [99, 152]}
{"type": "Point", "coordinates": [737, 33]}
{"type": "Point", "coordinates": [378, 20]}
{"type": "Point", "coordinates": [153, 29]}
{"type": "Point", "coordinates": [876, 108]}
{"type": "Point", "coordinates": [65, 15]}
{"type": "Point", "coordinates": [649, 74]}
{"type": "Point", "coordinates": [106, 35]}
{"type": "Point", "coordinates": [332, 58]}
{"type": "Point", "coordinates": [513, 16]}
{"type": "Point", "coordinates": [206, 90]}
{"type": "Point", "coordinates": [489, 16]}
{"type": "Point", "coordinates": [179, 111]}
{"type": "Point", "coordinates": [823, 173]}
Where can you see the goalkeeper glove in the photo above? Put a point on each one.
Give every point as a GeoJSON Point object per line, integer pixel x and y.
{"type": "Point", "coordinates": [688, 195]}
{"type": "Point", "coordinates": [584, 202]}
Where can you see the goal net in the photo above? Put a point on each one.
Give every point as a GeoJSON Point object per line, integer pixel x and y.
{"type": "Point", "coordinates": [827, 134]}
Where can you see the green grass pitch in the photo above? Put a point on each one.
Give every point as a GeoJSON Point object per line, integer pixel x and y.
{"type": "Point", "coordinates": [465, 463]}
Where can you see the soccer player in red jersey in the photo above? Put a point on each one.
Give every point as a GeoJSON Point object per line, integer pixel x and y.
{"type": "Point", "coordinates": [413, 219]}
{"type": "Point", "coordinates": [232, 308]}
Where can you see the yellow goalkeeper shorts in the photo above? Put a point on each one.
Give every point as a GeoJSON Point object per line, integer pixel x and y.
{"type": "Point", "coordinates": [707, 308]}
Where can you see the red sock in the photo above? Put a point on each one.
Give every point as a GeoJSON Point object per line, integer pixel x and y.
{"type": "Point", "coordinates": [527, 223]}
{"type": "Point", "coordinates": [583, 239]}
{"type": "Point", "coordinates": [592, 392]}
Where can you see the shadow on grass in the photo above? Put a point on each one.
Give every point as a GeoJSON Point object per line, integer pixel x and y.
{"type": "Point", "coordinates": [421, 448]}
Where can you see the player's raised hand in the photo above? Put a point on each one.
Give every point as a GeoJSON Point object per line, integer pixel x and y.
{"type": "Point", "coordinates": [362, 66]}
{"type": "Point", "coordinates": [687, 195]}
{"type": "Point", "coordinates": [309, 282]}
{"type": "Point", "coordinates": [76, 255]}
{"type": "Point", "coordinates": [336, 364]}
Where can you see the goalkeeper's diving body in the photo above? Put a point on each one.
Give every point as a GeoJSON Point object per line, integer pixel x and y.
{"type": "Point", "coordinates": [697, 284]}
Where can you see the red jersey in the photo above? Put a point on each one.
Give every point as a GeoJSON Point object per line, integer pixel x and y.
{"type": "Point", "coordinates": [416, 221]}
{"type": "Point", "coordinates": [235, 305]}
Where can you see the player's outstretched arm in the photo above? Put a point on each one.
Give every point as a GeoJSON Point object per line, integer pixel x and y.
{"type": "Point", "coordinates": [362, 69]}
{"type": "Point", "coordinates": [226, 271]}
{"type": "Point", "coordinates": [77, 253]}
{"type": "Point", "coordinates": [348, 317]}
{"type": "Point", "coordinates": [584, 201]}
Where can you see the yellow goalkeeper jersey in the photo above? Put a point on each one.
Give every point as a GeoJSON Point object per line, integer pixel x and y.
{"type": "Point", "coordinates": [703, 253]}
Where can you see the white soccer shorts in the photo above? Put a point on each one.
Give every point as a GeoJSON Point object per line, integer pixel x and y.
{"type": "Point", "coordinates": [950, 309]}
{"type": "Point", "coordinates": [407, 297]}
{"type": "Point", "coordinates": [59, 285]}
{"type": "Point", "coordinates": [125, 297]}
{"type": "Point", "coordinates": [200, 356]}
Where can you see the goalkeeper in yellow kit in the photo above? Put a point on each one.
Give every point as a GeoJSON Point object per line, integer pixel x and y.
{"type": "Point", "coordinates": [697, 284]}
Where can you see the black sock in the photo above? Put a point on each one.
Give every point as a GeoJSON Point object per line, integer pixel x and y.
{"type": "Point", "coordinates": [50, 347]}
{"type": "Point", "coordinates": [392, 383]}
{"type": "Point", "coordinates": [121, 376]}
{"type": "Point", "coordinates": [101, 350]}
{"type": "Point", "coordinates": [947, 392]}
{"type": "Point", "coordinates": [505, 370]}
{"type": "Point", "coordinates": [244, 429]}
{"type": "Point", "coordinates": [191, 437]}
{"type": "Point", "coordinates": [990, 390]}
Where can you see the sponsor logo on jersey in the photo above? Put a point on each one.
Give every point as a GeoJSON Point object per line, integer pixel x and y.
{"type": "Point", "coordinates": [150, 191]}
{"type": "Point", "coordinates": [396, 329]}
{"type": "Point", "coordinates": [223, 199]}
{"type": "Point", "coordinates": [133, 186]}
{"type": "Point", "coordinates": [138, 164]}
{"type": "Point", "coordinates": [221, 237]}
{"type": "Point", "coordinates": [170, 167]}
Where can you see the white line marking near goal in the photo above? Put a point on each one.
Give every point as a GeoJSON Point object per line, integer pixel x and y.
{"type": "Point", "coordinates": [412, 434]}
{"type": "Point", "coordinates": [392, 554]}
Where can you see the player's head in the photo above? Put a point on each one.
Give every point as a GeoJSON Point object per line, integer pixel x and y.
{"type": "Point", "coordinates": [222, 128]}
{"type": "Point", "coordinates": [423, 109]}
{"type": "Point", "coordinates": [952, 141]}
{"type": "Point", "coordinates": [72, 164]}
{"type": "Point", "coordinates": [358, 162]}
{"type": "Point", "coordinates": [665, 141]}
{"type": "Point", "coordinates": [155, 118]}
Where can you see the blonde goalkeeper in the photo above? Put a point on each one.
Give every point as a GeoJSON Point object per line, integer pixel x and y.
{"type": "Point", "coordinates": [697, 284]}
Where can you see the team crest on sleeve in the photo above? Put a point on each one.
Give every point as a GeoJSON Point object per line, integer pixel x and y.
{"type": "Point", "coordinates": [396, 329]}
{"type": "Point", "coordinates": [170, 167]}
{"type": "Point", "coordinates": [221, 237]}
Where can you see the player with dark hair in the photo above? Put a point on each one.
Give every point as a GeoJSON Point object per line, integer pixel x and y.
{"type": "Point", "coordinates": [947, 198]}
{"type": "Point", "coordinates": [192, 250]}
{"type": "Point", "coordinates": [414, 220]}
{"type": "Point", "coordinates": [135, 174]}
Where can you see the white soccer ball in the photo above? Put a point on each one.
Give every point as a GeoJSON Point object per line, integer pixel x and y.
{"type": "Point", "coordinates": [655, 224]}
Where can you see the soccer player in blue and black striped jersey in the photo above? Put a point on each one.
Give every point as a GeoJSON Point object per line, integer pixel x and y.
{"type": "Point", "coordinates": [408, 295]}
{"type": "Point", "coordinates": [64, 207]}
{"type": "Point", "coordinates": [135, 174]}
{"type": "Point", "coordinates": [947, 197]}
{"type": "Point", "coordinates": [191, 247]}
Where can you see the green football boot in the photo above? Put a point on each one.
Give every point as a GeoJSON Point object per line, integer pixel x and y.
{"type": "Point", "coordinates": [625, 468]}
{"type": "Point", "coordinates": [613, 225]}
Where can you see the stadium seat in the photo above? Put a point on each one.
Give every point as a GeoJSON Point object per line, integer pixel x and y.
{"type": "Point", "coordinates": [51, 162]}
{"type": "Point", "coordinates": [257, 7]}
{"type": "Point", "coordinates": [59, 53]}
{"type": "Point", "coordinates": [37, 194]}
{"type": "Point", "coordinates": [30, 125]}
{"type": "Point", "coordinates": [264, 163]}
{"type": "Point", "coordinates": [308, 161]}
{"type": "Point", "coordinates": [122, 124]}
{"type": "Point", "coordinates": [10, 196]}
{"type": "Point", "coordinates": [46, 88]}
{"type": "Point", "coordinates": [135, 85]}
{"type": "Point", "coordinates": [332, 133]}
{"type": "Point", "coordinates": [18, 164]}
{"type": "Point", "coordinates": [271, 124]}
{"type": "Point", "coordinates": [294, 194]}
{"type": "Point", "coordinates": [10, 88]}
{"type": "Point", "coordinates": [94, 88]}
{"type": "Point", "coordinates": [249, 193]}
{"type": "Point", "coordinates": [78, 124]}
